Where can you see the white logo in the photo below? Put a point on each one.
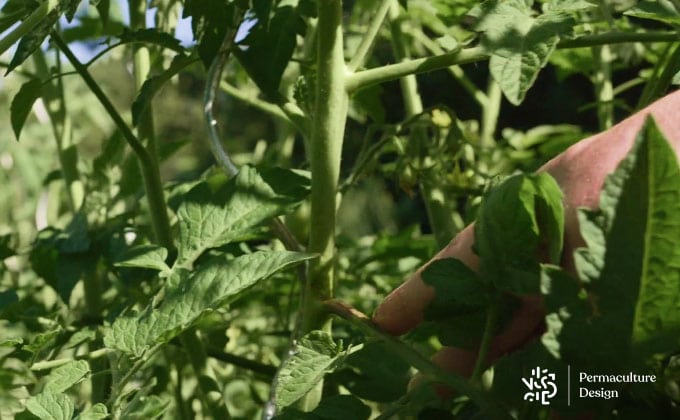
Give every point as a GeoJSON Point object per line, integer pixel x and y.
{"type": "Point", "coordinates": [541, 385]}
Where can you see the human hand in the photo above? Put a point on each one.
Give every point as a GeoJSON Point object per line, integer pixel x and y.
{"type": "Point", "coordinates": [580, 171]}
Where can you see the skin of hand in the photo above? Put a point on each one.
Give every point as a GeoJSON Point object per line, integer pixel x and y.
{"type": "Point", "coordinates": [580, 172]}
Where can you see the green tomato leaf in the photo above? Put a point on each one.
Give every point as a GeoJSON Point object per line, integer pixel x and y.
{"type": "Point", "coordinates": [568, 5]}
{"type": "Point", "coordinates": [64, 377]}
{"type": "Point", "coordinates": [48, 406]}
{"type": "Point", "coordinates": [11, 342]}
{"type": "Point", "coordinates": [104, 10]}
{"type": "Point", "coordinates": [658, 10]}
{"type": "Point", "coordinates": [208, 219]}
{"type": "Point", "coordinates": [154, 84]}
{"type": "Point", "coordinates": [216, 283]}
{"type": "Point", "coordinates": [96, 412]}
{"type": "Point", "coordinates": [7, 299]}
{"type": "Point", "coordinates": [42, 340]}
{"type": "Point", "coordinates": [336, 407]}
{"type": "Point", "coordinates": [314, 355]}
{"type": "Point", "coordinates": [32, 41]}
{"type": "Point", "coordinates": [145, 407]}
{"type": "Point", "coordinates": [145, 256]}
{"type": "Point", "coordinates": [630, 268]}
{"type": "Point", "coordinates": [210, 21]}
{"type": "Point", "coordinates": [268, 47]}
{"type": "Point", "coordinates": [152, 36]}
{"type": "Point", "coordinates": [519, 220]}
{"type": "Point", "coordinates": [363, 377]}
{"type": "Point", "coordinates": [7, 245]}
{"type": "Point", "coordinates": [23, 103]}
{"type": "Point", "coordinates": [519, 43]}
{"type": "Point", "coordinates": [12, 12]}
{"type": "Point", "coordinates": [458, 290]}
{"type": "Point", "coordinates": [458, 310]}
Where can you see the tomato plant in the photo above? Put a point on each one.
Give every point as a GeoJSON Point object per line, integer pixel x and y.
{"type": "Point", "coordinates": [204, 199]}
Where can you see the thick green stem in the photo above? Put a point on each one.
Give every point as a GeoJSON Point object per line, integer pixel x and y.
{"type": "Point", "coordinates": [325, 147]}
{"type": "Point", "coordinates": [386, 73]}
{"type": "Point", "coordinates": [28, 24]}
{"type": "Point", "coordinates": [152, 180]}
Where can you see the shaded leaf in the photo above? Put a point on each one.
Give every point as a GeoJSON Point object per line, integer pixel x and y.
{"type": "Point", "coordinates": [153, 84]}
{"type": "Point", "coordinates": [104, 9]}
{"type": "Point", "coordinates": [216, 283]}
{"type": "Point", "coordinates": [210, 21]}
{"type": "Point", "coordinates": [458, 290]}
{"type": "Point", "coordinates": [631, 266]}
{"type": "Point", "coordinates": [7, 298]}
{"type": "Point", "coordinates": [96, 412]}
{"type": "Point", "coordinates": [12, 12]}
{"type": "Point", "coordinates": [23, 103]}
{"type": "Point", "coordinates": [518, 220]}
{"type": "Point", "coordinates": [362, 376]}
{"type": "Point", "coordinates": [336, 407]}
{"type": "Point", "coordinates": [42, 340]}
{"type": "Point", "coordinates": [145, 256]}
{"type": "Point", "coordinates": [268, 47]}
{"type": "Point", "coordinates": [32, 41]}
{"type": "Point", "coordinates": [152, 36]}
{"type": "Point", "coordinates": [658, 10]}
{"type": "Point", "coordinates": [11, 342]}
{"type": "Point", "coordinates": [69, 8]}
{"type": "Point", "coordinates": [146, 408]}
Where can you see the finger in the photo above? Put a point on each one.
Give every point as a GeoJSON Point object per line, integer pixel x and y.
{"type": "Point", "coordinates": [403, 309]}
{"type": "Point", "coordinates": [525, 326]}
{"type": "Point", "coordinates": [580, 171]}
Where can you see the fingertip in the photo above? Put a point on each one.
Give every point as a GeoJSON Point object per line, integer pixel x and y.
{"type": "Point", "coordinates": [402, 310]}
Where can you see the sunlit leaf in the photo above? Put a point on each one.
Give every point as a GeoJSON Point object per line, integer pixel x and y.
{"type": "Point", "coordinates": [519, 43]}
{"type": "Point", "coordinates": [64, 377]}
{"type": "Point", "coordinates": [216, 283]}
{"type": "Point", "coordinates": [208, 219]}
{"type": "Point", "coordinates": [48, 406]}
{"type": "Point", "coordinates": [312, 358]}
